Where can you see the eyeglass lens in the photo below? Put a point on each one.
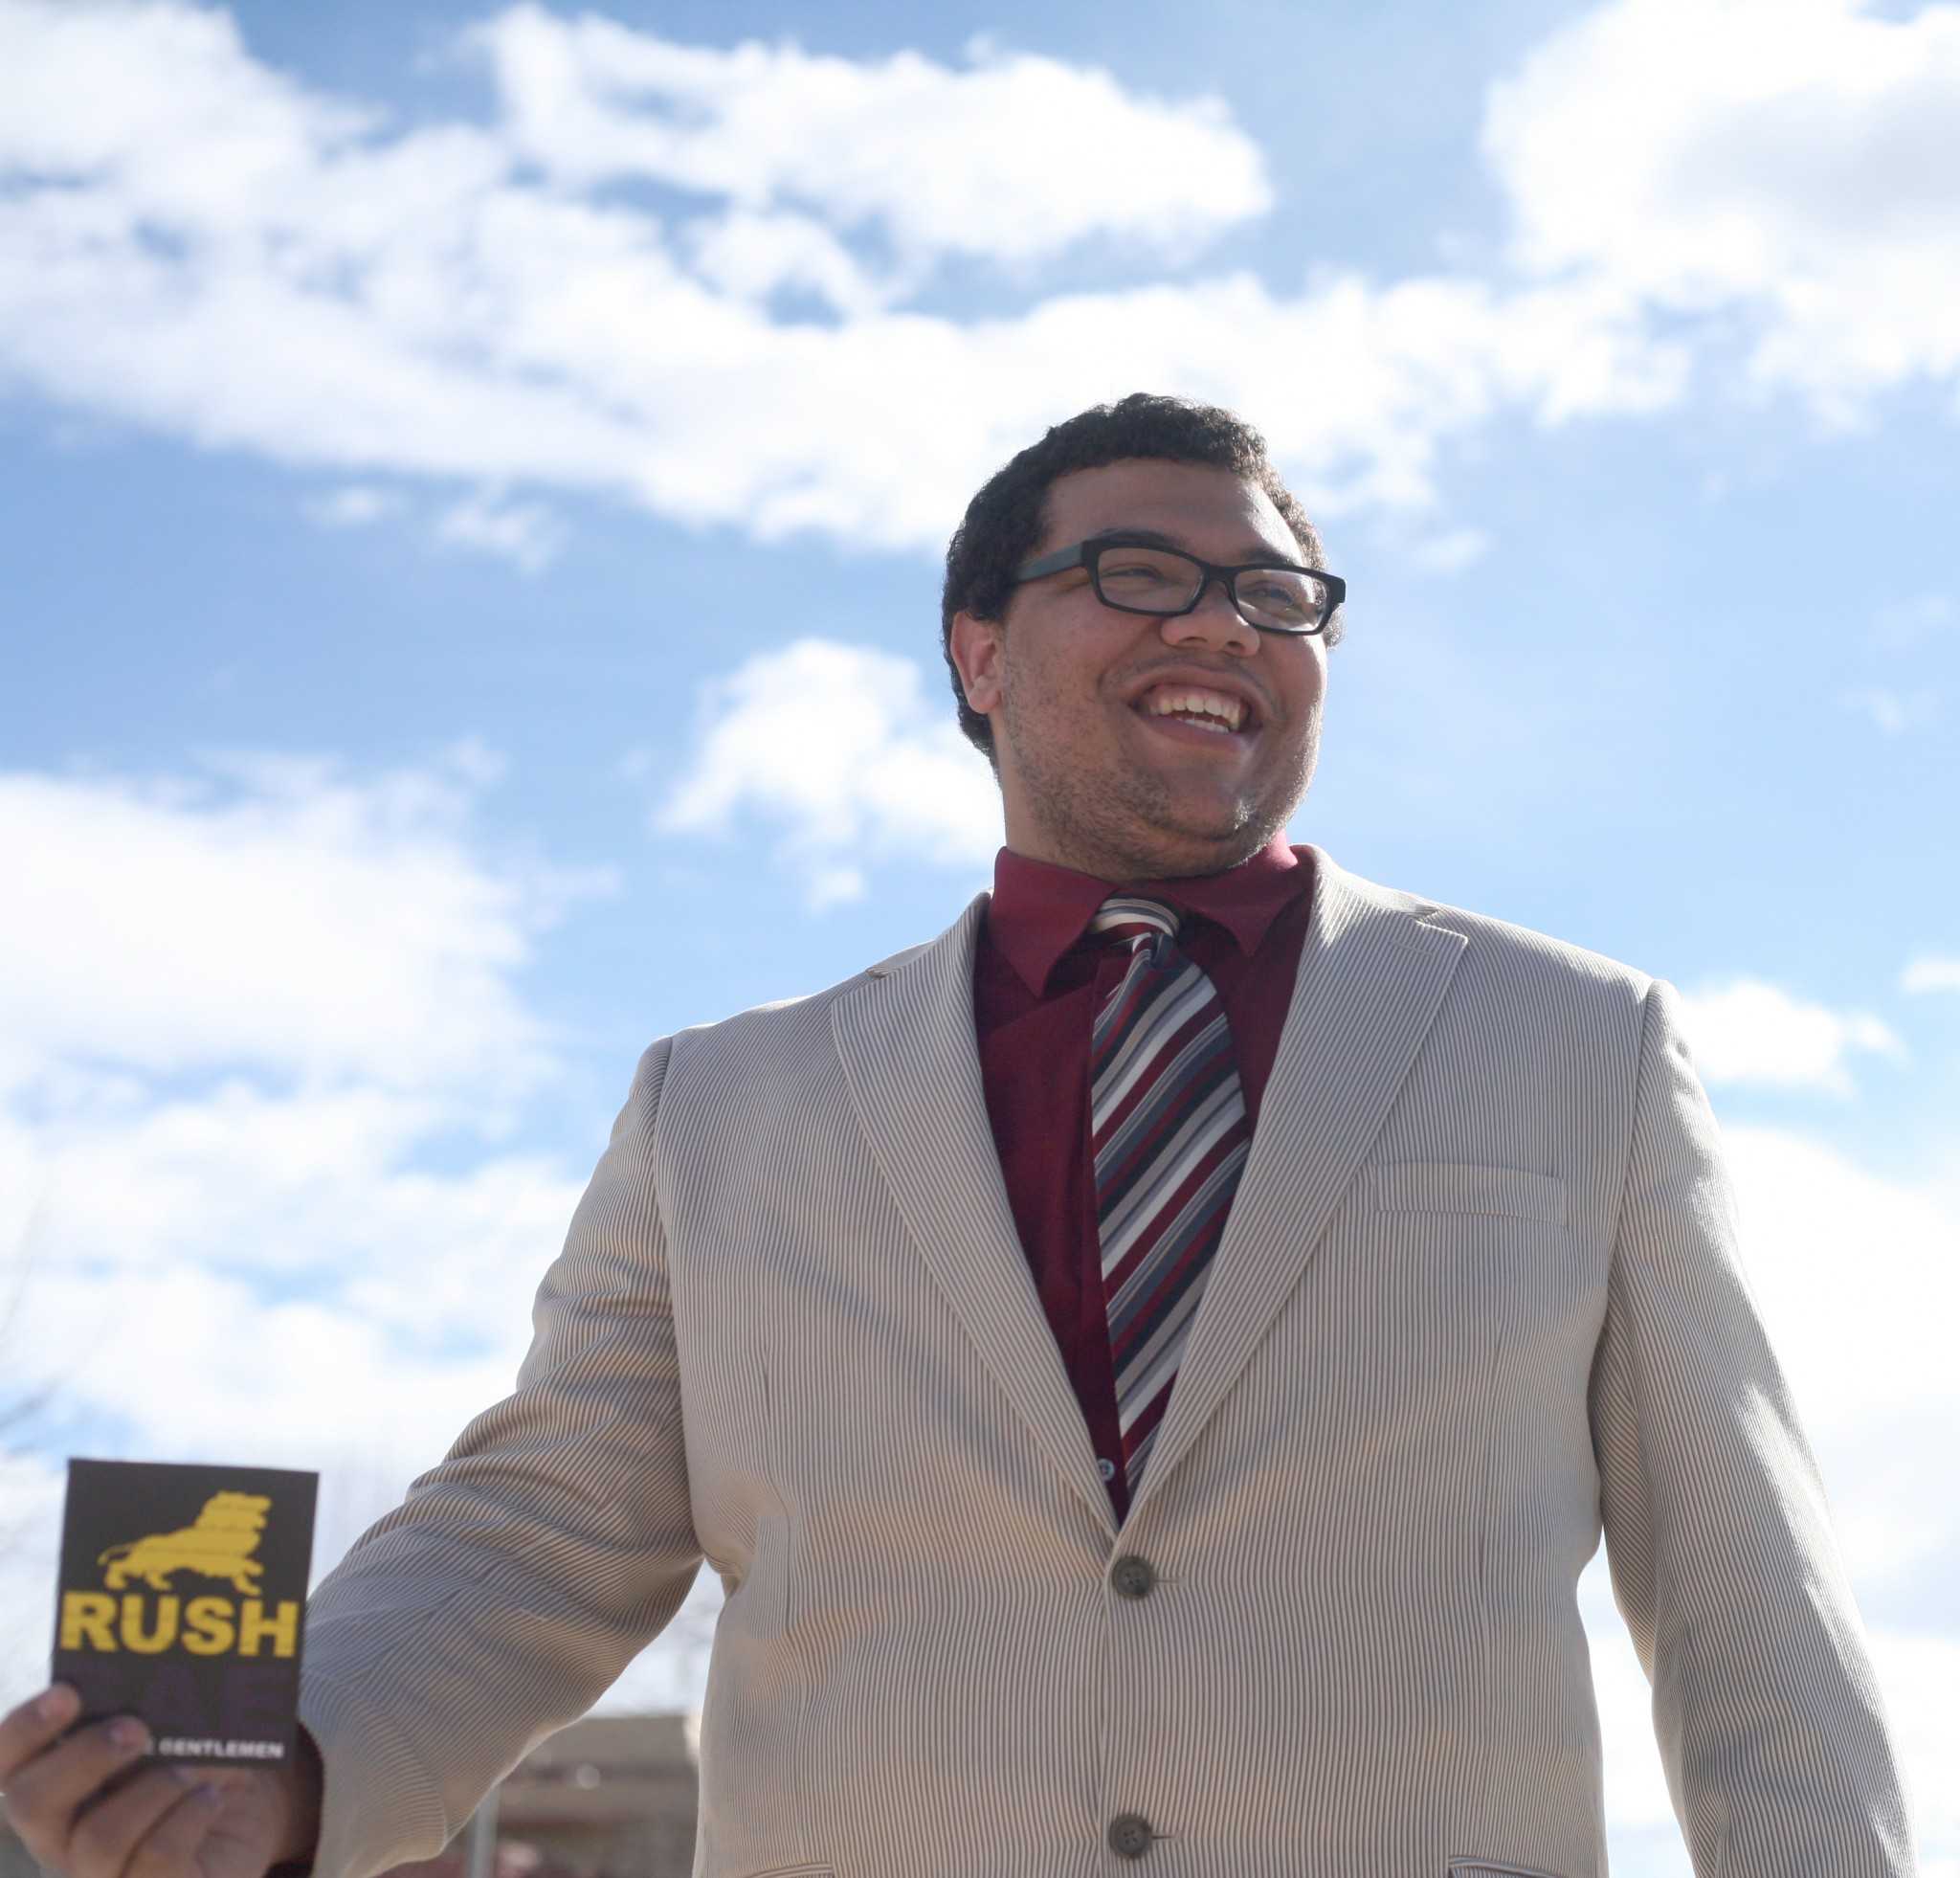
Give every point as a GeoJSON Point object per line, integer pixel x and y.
{"type": "Point", "coordinates": [1162, 580]}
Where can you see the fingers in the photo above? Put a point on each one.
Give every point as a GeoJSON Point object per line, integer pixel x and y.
{"type": "Point", "coordinates": [171, 1847]}
{"type": "Point", "coordinates": [24, 1731]}
{"type": "Point", "coordinates": [48, 1780]}
{"type": "Point", "coordinates": [122, 1832]}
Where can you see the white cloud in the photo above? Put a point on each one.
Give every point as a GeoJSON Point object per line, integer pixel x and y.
{"type": "Point", "coordinates": [273, 914]}
{"type": "Point", "coordinates": [751, 256]}
{"type": "Point", "coordinates": [268, 976]}
{"type": "Point", "coordinates": [1858, 1287]}
{"type": "Point", "coordinates": [524, 533]}
{"type": "Point", "coordinates": [1919, 1672]}
{"type": "Point", "coordinates": [1924, 974]}
{"type": "Point", "coordinates": [31, 1494]}
{"type": "Point", "coordinates": [312, 1189]}
{"type": "Point", "coordinates": [355, 506]}
{"type": "Point", "coordinates": [151, 123]}
{"type": "Point", "coordinates": [276, 1378]}
{"type": "Point", "coordinates": [837, 747]}
{"type": "Point", "coordinates": [1750, 1032]}
{"type": "Point", "coordinates": [418, 304]}
{"type": "Point", "coordinates": [206, 248]}
{"type": "Point", "coordinates": [1893, 712]}
{"type": "Point", "coordinates": [1794, 169]}
{"type": "Point", "coordinates": [1013, 158]}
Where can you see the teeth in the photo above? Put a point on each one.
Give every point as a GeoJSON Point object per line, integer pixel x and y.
{"type": "Point", "coordinates": [1165, 704]}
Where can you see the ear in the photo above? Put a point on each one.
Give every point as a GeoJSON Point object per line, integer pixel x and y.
{"type": "Point", "coordinates": [978, 650]}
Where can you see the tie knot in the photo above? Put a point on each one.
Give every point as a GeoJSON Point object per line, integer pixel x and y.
{"type": "Point", "coordinates": [1126, 918]}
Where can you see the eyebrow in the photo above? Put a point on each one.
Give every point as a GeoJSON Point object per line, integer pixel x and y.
{"type": "Point", "coordinates": [1256, 554]}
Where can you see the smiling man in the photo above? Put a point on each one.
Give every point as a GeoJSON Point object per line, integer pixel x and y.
{"type": "Point", "coordinates": [1148, 1365]}
{"type": "Point", "coordinates": [1148, 727]}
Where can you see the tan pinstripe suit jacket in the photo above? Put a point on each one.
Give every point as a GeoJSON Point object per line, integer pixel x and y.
{"type": "Point", "coordinates": [1479, 1293]}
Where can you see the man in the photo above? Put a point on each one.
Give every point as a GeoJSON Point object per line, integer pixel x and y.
{"type": "Point", "coordinates": [1148, 1365]}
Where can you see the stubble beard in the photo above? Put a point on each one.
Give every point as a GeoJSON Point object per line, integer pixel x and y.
{"type": "Point", "coordinates": [1135, 826]}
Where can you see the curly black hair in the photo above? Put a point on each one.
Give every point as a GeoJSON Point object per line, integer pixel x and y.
{"type": "Point", "coordinates": [1004, 522]}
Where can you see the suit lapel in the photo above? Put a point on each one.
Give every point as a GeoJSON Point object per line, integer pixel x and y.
{"type": "Point", "coordinates": [1372, 980]}
{"type": "Point", "coordinates": [908, 1047]}
{"type": "Point", "coordinates": [1373, 976]}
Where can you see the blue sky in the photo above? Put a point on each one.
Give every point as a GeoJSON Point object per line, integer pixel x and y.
{"type": "Point", "coordinates": [473, 482]}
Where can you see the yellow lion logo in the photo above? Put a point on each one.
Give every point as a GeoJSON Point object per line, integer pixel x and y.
{"type": "Point", "coordinates": [219, 1546]}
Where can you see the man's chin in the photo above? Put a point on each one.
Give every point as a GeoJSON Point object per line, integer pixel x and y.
{"type": "Point", "coordinates": [1200, 845]}
{"type": "Point", "coordinates": [1219, 822]}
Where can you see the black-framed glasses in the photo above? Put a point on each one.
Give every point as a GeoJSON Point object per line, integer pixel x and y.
{"type": "Point", "coordinates": [1142, 576]}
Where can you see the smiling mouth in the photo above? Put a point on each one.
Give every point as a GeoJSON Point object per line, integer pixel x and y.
{"type": "Point", "coordinates": [1189, 724]}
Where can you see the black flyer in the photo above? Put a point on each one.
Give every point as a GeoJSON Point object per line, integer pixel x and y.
{"type": "Point", "coordinates": [183, 1599]}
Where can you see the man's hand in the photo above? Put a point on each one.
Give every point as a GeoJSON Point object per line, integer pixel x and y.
{"type": "Point", "coordinates": [91, 1806]}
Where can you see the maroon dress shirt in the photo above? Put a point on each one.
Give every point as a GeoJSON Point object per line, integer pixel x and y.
{"type": "Point", "coordinates": [1037, 985]}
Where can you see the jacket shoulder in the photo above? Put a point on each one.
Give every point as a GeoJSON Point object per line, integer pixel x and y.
{"type": "Point", "coordinates": [1505, 948]}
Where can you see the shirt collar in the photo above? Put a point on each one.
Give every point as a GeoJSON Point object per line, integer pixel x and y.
{"type": "Point", "coordinates": [1038, 910]}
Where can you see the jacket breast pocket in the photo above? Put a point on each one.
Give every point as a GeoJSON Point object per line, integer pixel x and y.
{"type": "Point", "coordinates": [1462, 1187]}
{"type": "Point", "coordinates": [1471, 1268]}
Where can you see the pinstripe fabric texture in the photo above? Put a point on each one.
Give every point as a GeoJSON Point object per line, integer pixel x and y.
{"type": "Point", "coordinates": [1478, 1298]}
{"type": "Point", "coordinates": [1168, 1135]}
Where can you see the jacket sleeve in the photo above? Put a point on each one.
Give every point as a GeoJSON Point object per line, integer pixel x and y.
{"type": "Point", "coordinates": [521, 1575]}
{"type": "Point", "coordinates": [1718, 1537]}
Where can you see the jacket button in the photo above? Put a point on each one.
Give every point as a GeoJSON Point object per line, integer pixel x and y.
{"type": "Point", "coordinates": [1130, 1835]}
{"type": "Point", "coordinates": [1133, 1576]}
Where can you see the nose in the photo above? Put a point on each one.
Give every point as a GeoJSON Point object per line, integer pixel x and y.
{"type": "Point", "coordinates": [1214, 621]}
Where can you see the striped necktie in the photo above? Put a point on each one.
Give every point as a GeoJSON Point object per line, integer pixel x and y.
{"type": "Point", "coordinates": [1168, 1126]}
